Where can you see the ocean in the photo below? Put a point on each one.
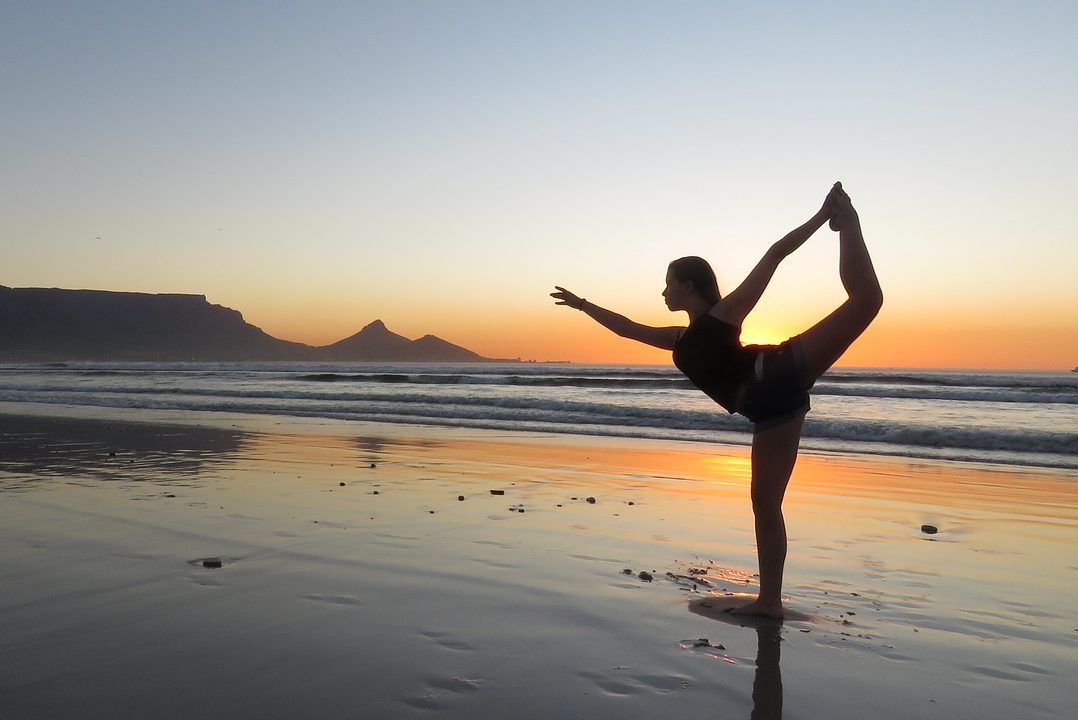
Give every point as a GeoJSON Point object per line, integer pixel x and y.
{"type": "Point", "coordinates": [1008, 418]}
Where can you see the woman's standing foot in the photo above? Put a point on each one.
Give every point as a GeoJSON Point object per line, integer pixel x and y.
{"type": "Point", "coordinates": [761, 608]}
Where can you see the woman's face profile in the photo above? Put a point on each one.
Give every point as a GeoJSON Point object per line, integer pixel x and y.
{"type": "Point", "coordinates": [676, 292]}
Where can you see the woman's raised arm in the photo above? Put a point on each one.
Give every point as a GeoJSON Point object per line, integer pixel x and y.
{"type": "Point", "coordinates": [738, 304]}
{"type": "Point", "coordinates": [663, 337]}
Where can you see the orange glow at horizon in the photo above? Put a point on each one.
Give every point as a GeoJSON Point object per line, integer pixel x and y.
{"type": "Point", "coordinates": [955, 342]}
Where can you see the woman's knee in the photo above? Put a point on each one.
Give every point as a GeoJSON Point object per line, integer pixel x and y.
{"type": "Point", "coordinates": [766, 503]}
{"type": "Point", "coordinates": [872, 300]}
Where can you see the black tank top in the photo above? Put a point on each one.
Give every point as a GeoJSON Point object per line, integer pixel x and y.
{"type": "Point", "coordinates": [710, 354]}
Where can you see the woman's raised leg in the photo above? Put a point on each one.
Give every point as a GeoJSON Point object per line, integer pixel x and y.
{"type": "Point", "coordinates": [826, 341]}
{"type": "Point", "coordinates": [774, 452]}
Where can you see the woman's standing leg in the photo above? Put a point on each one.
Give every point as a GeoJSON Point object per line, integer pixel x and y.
{"type": "Point", "coordinates": [774, 452]}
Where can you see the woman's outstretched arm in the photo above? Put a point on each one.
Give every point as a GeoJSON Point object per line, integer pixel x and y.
{"type": "Point", "coordinates": [659, 337]}
{"type": "Point", "coordinates": [738, 304]}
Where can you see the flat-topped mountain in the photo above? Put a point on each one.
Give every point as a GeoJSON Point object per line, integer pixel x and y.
{"type": "Point", "coordinates": [53, 325]}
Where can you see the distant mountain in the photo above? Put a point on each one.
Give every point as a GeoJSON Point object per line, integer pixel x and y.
{"type": "Point", "coordinates": [53, 325]}
{"type": "Point", "coordinates": [376, 343]}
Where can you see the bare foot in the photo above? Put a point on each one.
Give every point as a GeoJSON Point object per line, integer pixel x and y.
{"type": "Point", "coordinates": [841, 208]}
{"type": "Point", "coordinates": [760, 608]}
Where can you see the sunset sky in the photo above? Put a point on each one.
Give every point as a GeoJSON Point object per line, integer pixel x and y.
{"type": "Point", "coordinates": [441, 165]}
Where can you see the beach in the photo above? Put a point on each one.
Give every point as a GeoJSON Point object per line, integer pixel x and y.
{"type": "Point", "coordinates": [168, 564]}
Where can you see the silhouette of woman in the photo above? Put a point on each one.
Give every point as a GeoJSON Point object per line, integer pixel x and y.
{"type": "Point", "coordinates": [768, 384]}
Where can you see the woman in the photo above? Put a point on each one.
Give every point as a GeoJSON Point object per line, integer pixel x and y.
{"type": "Point", "coordinates": [768, 384]}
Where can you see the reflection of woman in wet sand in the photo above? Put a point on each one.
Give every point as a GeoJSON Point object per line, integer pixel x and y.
{"type": "Point", "coordinates": [768, 384]}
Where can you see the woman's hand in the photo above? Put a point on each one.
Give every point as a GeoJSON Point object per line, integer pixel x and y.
{"type": "Point", "coordinates": [564, 297]}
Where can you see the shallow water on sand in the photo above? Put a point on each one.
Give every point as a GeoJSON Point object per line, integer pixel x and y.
{"type": "Point", "coordinates": [353, 580]}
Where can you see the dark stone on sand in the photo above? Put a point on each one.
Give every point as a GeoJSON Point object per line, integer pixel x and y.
{"type": "Point", "coordinates": [591, 501]}
{"type": "Point", "coordinates": [645, 576]}
{"type": "Point", "coordinates": [631, 502]}
{"type": "Point", "coordinates": [460, 497]}
{"type": "Point", "coordinates": [112, 454]}
{"type": "Point", "coordinates": [211, 563]}
{"type": "Point", "coordinates": [497, 492]}
{"type": "Point", "coordinates": [373, 466]}
{"type": "Point", "coordinates": [170, 495]}
{"type": "Point", "coordinates": [629, 571]}
{"type": "Point", "coordinates": [929, 529]}
{"type": "Point", "coordinates": [374, 493]}
{"type": "Point", "coordinates": [702, 642]}
{"type": "Point", "coordinates": [342, 484]}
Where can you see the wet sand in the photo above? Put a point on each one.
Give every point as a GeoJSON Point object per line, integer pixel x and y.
{"type": "Point", "coordinates": [167, 565]}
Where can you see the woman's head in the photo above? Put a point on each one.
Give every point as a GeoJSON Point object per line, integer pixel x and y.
{"type": "Point", "coordinates": [688, 277]}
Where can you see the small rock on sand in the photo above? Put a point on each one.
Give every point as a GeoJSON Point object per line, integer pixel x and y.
{"type": "Point", "coordinates": [929, 529]}
{"type": "Point", "coordinates": [211, 563]}
{"type": "Point", "coordinates": [497, 492]}
{"type": "Point", "coordinates": [342, 484]}
{"type": "Point", "coordinates": [591, 500]}
{"type": "Point", "coordinates": [645, 576]}
{"type": "Point", "coordinates": [460, 498]}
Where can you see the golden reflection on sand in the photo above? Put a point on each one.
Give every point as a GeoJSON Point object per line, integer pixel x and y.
{"type": "Point", "coordinates": [347, 553]}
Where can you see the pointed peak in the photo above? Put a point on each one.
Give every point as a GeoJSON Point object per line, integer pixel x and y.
{"type": "Point", "coordinates": [376, 325]}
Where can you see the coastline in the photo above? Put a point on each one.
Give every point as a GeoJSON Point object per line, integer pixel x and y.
{"type": "Point", "coordinates": [334, 601]}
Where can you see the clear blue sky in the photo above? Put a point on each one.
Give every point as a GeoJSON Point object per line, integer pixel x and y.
{"type": "Point", "coordinates": [441, 164]}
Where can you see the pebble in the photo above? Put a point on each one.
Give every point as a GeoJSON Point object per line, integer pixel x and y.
{"type": "Point", "coordinates": [373, 466]}
{"type": "Point", "coordinates": [342, 484]}
{"type": "Point", "coordinates": [497, 492]}
{"type": "Point", "coordinates": [591, 500]}
{"type": "Point", "coordinates": [375, 492]}
{"type": "Point", "coordinates": [645, 576]}
{"type": "Point", "coordinates": [460, 497]}
{"type": "Point", "coordinates": [929, 529]}
{"type": "Point", "coordinates": [211, 563]}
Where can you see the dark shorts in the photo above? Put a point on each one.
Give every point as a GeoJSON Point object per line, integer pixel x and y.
{"type": "Point", "coordinates": [778, 391]}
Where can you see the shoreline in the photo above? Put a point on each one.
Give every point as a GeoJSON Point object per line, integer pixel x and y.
{"type": "Point", "coordinates": [256, 422]}
{"type": "Point", "coordinates": [353, 579]}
